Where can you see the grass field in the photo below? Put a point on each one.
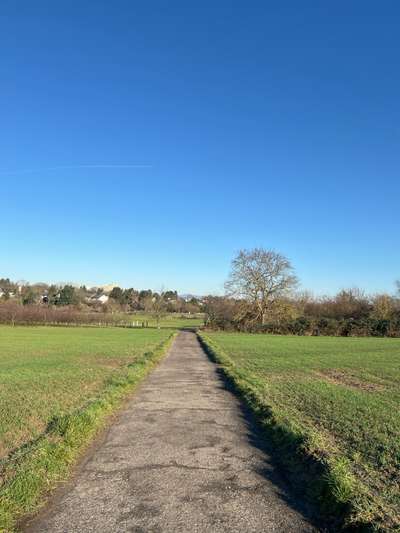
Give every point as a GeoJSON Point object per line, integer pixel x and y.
{"type": "Point", "coordinates": [335, 400]}
{"type": "Point", "coordinates": [171, 320]}
{"type": "Point", "coordinates": [56, 386]}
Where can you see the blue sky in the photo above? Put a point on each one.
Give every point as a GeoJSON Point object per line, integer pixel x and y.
{"type": "Point", "coordinates": [144, 143]}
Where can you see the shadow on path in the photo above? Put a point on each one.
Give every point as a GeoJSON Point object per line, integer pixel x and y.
{"type": "Point", "coordinates": [290, 489]}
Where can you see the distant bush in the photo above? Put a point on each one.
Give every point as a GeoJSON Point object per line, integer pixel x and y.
{"type": "Point", "coordinates": [327, 326]}
{"type": "Point", "coordinates": [383, 319]}
{"type": "Point", "coordinates": [13, 313]}
{"type": "Point", "coordinates": [300, 326]}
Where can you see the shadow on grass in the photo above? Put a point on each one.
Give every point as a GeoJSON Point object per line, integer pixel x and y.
{"type": "Point", "coordinates": [288, 487]}
{"type": "Point", "coordinates": [301, 481]}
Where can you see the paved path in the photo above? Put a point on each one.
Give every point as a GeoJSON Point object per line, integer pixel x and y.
{"type": "Point", "coordinates": [181, 457]}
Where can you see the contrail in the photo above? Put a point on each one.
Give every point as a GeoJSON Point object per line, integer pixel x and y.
{"type": "Point", "coordinates": [67, 167]}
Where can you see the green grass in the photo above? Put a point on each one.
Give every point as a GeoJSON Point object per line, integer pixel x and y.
{"type": "Point", "coordinates": [171, 320]}
{"type": "Point", "coordinates": [332, 407]}
{"type": "Point", "coordinates": [57, 386]}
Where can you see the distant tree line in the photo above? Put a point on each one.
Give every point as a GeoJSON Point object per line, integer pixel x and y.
{"type": "Point", "coordinates": [13, 313]}
{"type": "Point", "coordinates": [42, 293]}
{"type": "Point", "coordinates": [261, 297]}
{"type": "Point", "coordinates": [21, 302]}
{"type": "Point", "coordinates": [144, 300]}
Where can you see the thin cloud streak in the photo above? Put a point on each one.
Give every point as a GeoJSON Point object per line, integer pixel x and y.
{"type": "Point", "coordinates": [71, 167]}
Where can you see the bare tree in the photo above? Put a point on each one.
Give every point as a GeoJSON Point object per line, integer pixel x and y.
{"type": "Point", "coordinates": [158, 306]}
{"type": "Point", "coordinates": [260, 276]}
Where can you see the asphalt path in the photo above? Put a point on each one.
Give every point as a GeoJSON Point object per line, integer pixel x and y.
{"type": "Point", "coordinates": [182, 455]}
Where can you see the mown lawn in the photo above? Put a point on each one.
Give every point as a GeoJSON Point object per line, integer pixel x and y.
{"type": "Point", "coordinates": [56, 385]}
{"type": "Point", "coordinates": [342, 397]}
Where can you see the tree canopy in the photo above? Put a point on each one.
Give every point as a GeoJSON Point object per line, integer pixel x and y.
{"type": "Point", "coordinates": [259, 276]}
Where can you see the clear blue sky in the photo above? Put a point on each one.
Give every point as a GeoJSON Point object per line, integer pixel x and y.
{"type": "Point", "coordinates": [265, 123]}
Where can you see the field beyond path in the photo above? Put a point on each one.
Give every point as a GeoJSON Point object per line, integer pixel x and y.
{"type": "Point", "coordinates": [180, 457]}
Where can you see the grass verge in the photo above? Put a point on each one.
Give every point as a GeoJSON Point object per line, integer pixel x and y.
{"type": "Point", "coordinates": [35, 468]}
{"type": "Point", "coordinates": [315, 466]}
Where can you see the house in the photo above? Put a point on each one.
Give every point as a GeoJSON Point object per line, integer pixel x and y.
{"type": "Point", "coordinates": [104, 288]}
{"type": "Point", "coordinates": [6, 294]}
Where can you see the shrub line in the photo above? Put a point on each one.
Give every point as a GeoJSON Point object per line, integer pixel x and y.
{"type": "Point", "coordinates": [35, 468]}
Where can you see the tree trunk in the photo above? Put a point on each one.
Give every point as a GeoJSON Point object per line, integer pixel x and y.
{"type": "Point", "coordinates": [263, 317]}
